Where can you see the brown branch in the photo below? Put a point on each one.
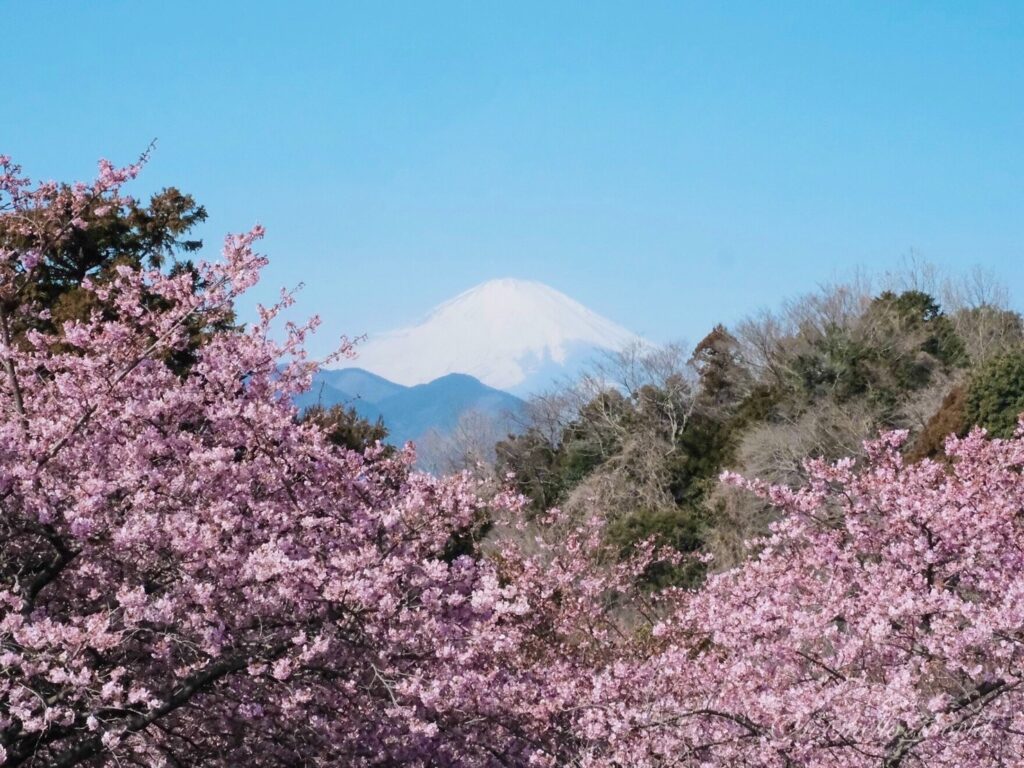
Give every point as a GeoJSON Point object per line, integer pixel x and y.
{"type": "Point", "coordinates": [198, 683]}
{"type": "Point", "coordinates": [12, 374]}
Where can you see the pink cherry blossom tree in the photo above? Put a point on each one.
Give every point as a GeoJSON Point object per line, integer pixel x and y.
{"type": "Point", "coordinates": [190, 575]}
{"type": "Point", "coordinates": [881, 624]}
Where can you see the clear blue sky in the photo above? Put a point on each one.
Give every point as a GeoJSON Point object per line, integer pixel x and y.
{"type": "Point", "coordinates": [669, 165]}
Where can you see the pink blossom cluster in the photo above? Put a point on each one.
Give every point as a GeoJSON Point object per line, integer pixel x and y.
{"type": "Point", "coordinates": [881, 624]}
{"type": "Point", "coordinates": [45, 214]}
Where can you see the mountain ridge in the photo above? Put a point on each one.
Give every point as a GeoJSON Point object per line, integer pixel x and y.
{"type": "Point", "coordinates": [409, 413]}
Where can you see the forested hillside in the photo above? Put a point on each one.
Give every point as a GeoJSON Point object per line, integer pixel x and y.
{"type": "Point", "coordinates": [643, 437]}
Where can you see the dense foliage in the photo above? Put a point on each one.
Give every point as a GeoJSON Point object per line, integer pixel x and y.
{"type": "Point", "coordinates": [346, 428]}
{"type": "Point", "coordinates": [995, 396]}
{"type": "Point", "coordinates": [641, 441]}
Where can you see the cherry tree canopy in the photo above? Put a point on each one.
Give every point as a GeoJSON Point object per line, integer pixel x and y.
{"type": "Point", "coordinates": [882, 623]}
{"type": "Point", "coordinates": [191, 575]}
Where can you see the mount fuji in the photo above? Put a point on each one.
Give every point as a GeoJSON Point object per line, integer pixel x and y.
{"type": "Point", "coordinates": [469, 362]}
{"type": "Point", "coordinates": [512, 335]}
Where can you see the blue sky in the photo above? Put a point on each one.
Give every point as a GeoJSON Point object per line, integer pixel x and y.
{"type": "Point", "coordinates": [669, 165]}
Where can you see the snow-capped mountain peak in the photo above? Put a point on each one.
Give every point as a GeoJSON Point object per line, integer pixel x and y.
{"type": "Point", "coordinates": [503, 332]}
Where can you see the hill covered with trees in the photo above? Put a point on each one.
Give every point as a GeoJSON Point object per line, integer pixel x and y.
{"type": "Point", "coordinates": [642, 438]}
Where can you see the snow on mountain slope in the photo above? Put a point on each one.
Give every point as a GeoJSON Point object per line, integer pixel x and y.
{"type": "Point", "coordinates": [503, 332]}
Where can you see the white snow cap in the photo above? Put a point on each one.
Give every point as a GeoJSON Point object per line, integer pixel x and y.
{"type": "Point", "coordinates": [501, 332]}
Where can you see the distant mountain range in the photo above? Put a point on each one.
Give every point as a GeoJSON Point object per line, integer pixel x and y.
{"type": "Point", "coordinates": [473, 355]}
{"type": "Point", "coordinates": [411, 413]}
